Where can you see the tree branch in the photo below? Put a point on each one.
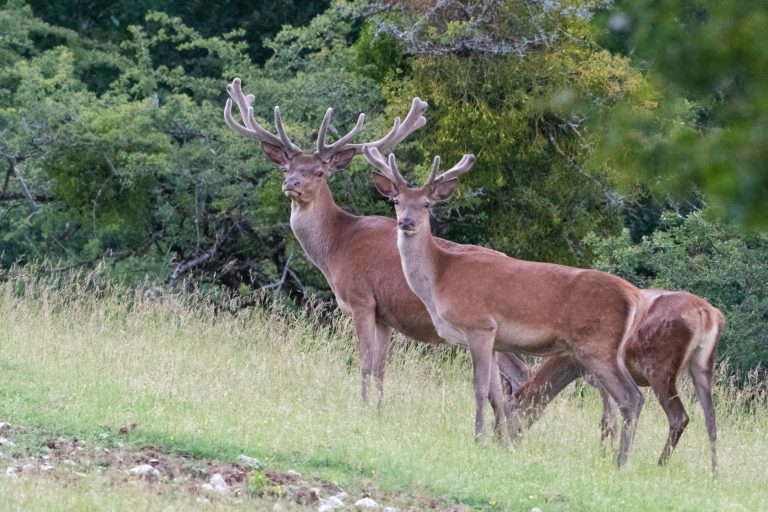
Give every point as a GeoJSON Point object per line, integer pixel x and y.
{"type": "Point", "coordinates": [183, 268]}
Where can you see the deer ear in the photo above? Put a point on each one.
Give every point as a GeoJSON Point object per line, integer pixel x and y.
{"type": "Point", "coordinates": [384, 186]}
{"type": "Point", "coordinates": [443, 190]}
{"type": "Point", "coordinates": [341, 159]}
{"type": "Point", "coordinates": [275, 154]}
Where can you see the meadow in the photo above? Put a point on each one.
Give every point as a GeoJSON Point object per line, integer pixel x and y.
{"type": "Point", "coordinates": [81, 358]}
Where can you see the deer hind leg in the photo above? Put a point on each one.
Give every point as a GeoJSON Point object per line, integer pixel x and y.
{"type": "Point", "coordinates": [670, 401]}
{"type": "Point", "coordinates": [701, 374]}
{"type": "Point", "coordinates": [608, 419]}
{"type": "Point", "coordinates": [615, 379]}
{"type": "Point", "coordinates": [380, 351]}
{"type": "Point", "coordinates": [483, 363]}
{"type": "Point", "coordinates": [499, 404]}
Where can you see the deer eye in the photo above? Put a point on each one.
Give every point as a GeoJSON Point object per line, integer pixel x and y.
{"type": "Point", "coordinates": [319, 174]}
{"type": "Point", "coordinates": [395, 202]}
{"type": "Point", "coordinates": [427, 205]}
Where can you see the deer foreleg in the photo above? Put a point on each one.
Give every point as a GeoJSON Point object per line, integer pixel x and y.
{"type": "Point", "coordinates": [365, 328]}
{"type": "Point", "coordinates": [380, 351]}
{"type": "Point", "coordinates": [483, 363]}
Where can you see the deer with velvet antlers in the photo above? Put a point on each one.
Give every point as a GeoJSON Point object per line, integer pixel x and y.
{"type": "Point", "coordinates": [678, 331]}
{"type": "Point", "coordinates": [356, 254]}
{"type": "Point", "coordinates": [488, 301]}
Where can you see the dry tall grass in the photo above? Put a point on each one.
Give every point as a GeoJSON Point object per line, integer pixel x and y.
{"type": "Point", "coordinates": [78, 353]}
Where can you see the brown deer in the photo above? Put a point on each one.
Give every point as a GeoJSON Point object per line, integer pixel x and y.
{"type": "Point", "coordinates": [679, 330]}
{"type": "Point", "coordinates": [488, 301]}
{"type": "Point", "coordinates": [357, 255]}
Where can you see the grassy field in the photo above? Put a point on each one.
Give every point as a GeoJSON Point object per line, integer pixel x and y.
{"type": "Point", "coordinates": [204, 385]}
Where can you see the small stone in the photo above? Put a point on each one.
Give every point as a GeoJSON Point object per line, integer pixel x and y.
{"type": "Point", "coordinates": [294, 474]}
{"type": "Point", "coordinates": [343, 495]}
{"type": "Point", "coordinates": [535, 509]}
{"type": "Point", "coordinates": [46, 467]}
{"type": "Point", "coordinates": [6, 442]}
{"type": "Point", "coordinates": [216, 484]}
{"type": "Point", "coordinates": [366, 503]}
{"type": "Point", "coordinates": [68, 462]}
{"type": "Point", "coordinates": [28, 467]}
{"type": "Point", "coordinates": [277, 507]}
{"type": "Point", "coordinates": [332, 503]}
{"type": "Point", "coordinates": [335, 501]}
{"type": "Point", "coordinates": [145, 470]}
{"type": "Point", "coordinates": [12, 471]}
{"type": "Point", "coordinates": [202, 499]}
{"type": "Point", "coordinates": [391, 509]}
{"type": "Point", "coordinates": [252, 462]}
{"type": "Point", "coordinates": [5, 427]}
{"type": "Point", "coordinates": [104, 435]}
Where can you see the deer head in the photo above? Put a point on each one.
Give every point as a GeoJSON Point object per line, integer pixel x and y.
{"type": "Point", "coordinates": [412, 204]}
{"type": "Point", "coordinates": [306, 172]}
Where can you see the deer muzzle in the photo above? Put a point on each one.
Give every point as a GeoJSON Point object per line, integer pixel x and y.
{"type": "Point", "coordinates": [406, 225]}
{"type": "Point", "coordinates": [291, 187]}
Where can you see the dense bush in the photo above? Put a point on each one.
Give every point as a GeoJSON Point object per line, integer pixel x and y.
{"type": "Point", "coordinates": [706, 258]}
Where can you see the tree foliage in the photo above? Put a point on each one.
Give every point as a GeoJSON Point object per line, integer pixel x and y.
{"type": "Point", "coordinates": [708, 62]}
{"type": "Point", "coordinates": [586, 118]}
{"type": "Point", "coordinates": [693, 254]}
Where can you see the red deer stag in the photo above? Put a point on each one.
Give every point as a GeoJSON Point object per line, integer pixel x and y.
{"type": "Point", "coordinates": [488, 301]}
{"type": "Point", "coordinates": [679, 330]}
{"type": "Point", "coordinates": [357, 255]}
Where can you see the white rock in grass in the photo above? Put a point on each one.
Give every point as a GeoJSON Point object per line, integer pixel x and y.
{"type": "Point", "coordinates": [46, 466]}
{"type": "Point", "coordinates": [391, 509]}
{"type": "Point", "coordinates": [145, 470]}
{"type": "Point", "coordinates": [6, 442]}
{"type": "Point", "coordinates": [216, 484]}
{"type": "Point", "coordinates": [293, 473]}
{"type": "Point", "coordinates": [5, 426]}
{"type": "Point", "coordinates": [332, 503]}
{"type": "Point", "coordinates": [12, 471]}
{"type": "Point", "coordinates": [366, 503]}
{"type": "Point", "coordinates": [335, 501]}
{"type": "Point", "coordinates": [252, 462]}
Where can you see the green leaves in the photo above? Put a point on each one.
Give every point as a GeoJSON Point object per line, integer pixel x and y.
{"type": "Point", "coordinates": [703, 257]}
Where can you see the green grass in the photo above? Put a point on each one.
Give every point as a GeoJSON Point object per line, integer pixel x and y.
{"type": "Point", "coordinates": [214, 385]}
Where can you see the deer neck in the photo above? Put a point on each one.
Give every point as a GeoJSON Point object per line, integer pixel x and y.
{"type": "Point", "coordinates": [316, 224]}
{"type": "Point", "coordinates": [418, 255]}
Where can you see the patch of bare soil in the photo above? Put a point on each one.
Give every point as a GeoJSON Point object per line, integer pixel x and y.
{"type": "Point", "coordinates": [68, 460]}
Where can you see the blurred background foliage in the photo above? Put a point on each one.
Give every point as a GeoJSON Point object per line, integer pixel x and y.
{"type": "Point", "coordinates": [628, 136]}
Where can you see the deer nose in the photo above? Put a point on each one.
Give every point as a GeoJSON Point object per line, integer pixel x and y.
{"type": "Point", "coordinates": [291, 183]}
{"type": "Point", "coordinates": [405, 224]}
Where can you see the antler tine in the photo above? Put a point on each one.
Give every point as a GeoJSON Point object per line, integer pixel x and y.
{"type": "Point", "coordinates": [323, 132]}
{"type": "Point", "coordinates": [400, 130]}
{"type": "Point", "coordinates": [393, 166]}
{"type": "Point", "coordinates": [388, 170]}
{"type": "Point", "coordinates": [435, 168]}
{"type": "Point", "coordinates": [464, 165]}
{"type": "Point", "coordinates": [252, 129]}
{"type": "Point", "coordinates": [288, 146]}
{"type": "Point", "coordinates": [325, 152]}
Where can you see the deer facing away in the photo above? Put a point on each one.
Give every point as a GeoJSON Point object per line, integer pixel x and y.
{"type": "Point", "coordinates": [488, 301]}
{"type": "Point", "coordinates": [356, 254]}
{"type": "Point", "coordinates": [679, 330]}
